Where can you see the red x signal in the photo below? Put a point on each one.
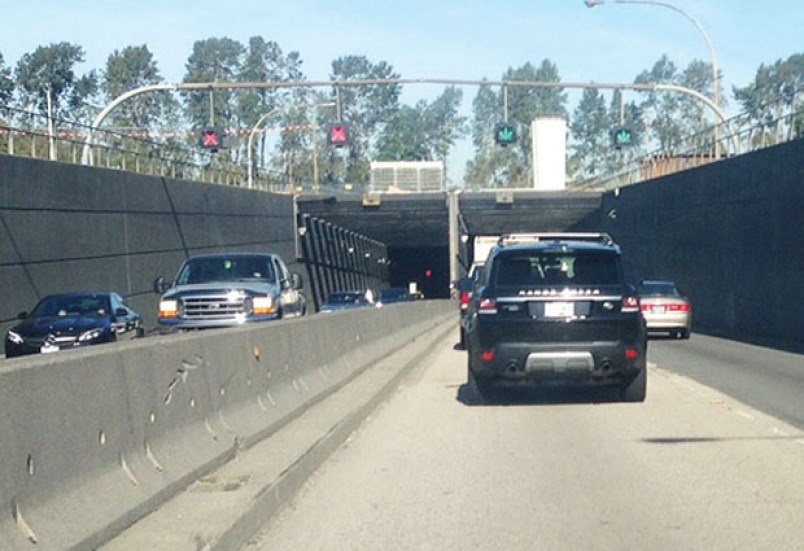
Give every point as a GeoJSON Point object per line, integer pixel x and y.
{"type": "Point", "coordinates": [211, 138]}
{"type": "Point", "coordinates": [338, 134]}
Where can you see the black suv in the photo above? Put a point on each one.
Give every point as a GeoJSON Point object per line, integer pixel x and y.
{"type": "Point", "coordinates": [555, 309]}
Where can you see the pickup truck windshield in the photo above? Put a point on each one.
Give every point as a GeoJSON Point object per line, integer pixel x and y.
{"type": "Point", "coordinates": [236, 268]}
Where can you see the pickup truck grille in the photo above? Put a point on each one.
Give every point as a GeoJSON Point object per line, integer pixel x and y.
{"type": "Point", "coordinates": [213, 307]}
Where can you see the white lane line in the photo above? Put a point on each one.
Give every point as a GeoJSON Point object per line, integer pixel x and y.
{"type": "Point", "coordinates": [710, 395]}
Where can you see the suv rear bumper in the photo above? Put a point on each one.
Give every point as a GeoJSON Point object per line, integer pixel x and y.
{"type": "Point", "coordinates": [592, 363]}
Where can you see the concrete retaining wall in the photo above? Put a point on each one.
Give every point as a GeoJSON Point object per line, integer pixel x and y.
{"type": "Point", "coordinates": [66, 227]}
{"type": "Point", "coordinates": [729, 234]}
{"type": "Point", "coordinates": [93, 439]}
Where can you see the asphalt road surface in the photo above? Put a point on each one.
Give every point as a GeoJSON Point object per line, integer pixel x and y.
{"type": "Point", "coordinates": [691, 468]}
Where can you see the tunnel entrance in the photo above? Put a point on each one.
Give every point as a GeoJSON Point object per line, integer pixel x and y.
{"type": "Point", "coordinates": [428, 267]}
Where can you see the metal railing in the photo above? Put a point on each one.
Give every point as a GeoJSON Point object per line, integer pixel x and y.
{"type": "Point", "coordinates": [28, 134]}
{"type": "Point", "coordinates": [31, 134]}
{"type": "Point", "coordinates": [740, 134]}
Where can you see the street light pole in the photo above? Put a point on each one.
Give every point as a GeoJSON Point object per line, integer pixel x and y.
{"type": "Point", "coordinates": [315, 140]}
{"type": "Point", "coordinates": [250, 143]}
{"type": "Point", "coordinates": [715, 73]}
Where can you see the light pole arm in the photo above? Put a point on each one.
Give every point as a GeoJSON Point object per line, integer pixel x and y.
{"type": "Point", "coordinates": [713, 56]}
{"type": "Point", "coordinates": [251, 142]}
{"type": "Point", "coordinates": [86, 156]}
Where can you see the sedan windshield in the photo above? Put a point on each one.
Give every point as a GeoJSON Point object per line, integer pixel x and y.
{"type": "Point", "coordinates": [72, 305]}
{"type": "Point", "coordinates": [236, 268]}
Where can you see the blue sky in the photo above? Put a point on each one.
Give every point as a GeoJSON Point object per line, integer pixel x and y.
{"type": "Point", "coordinates": [461, 39]}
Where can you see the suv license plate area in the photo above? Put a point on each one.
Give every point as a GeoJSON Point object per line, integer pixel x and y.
{"type": "Point", "coordinates": [559, 309]}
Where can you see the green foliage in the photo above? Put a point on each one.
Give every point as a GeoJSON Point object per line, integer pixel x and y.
{"type": "Point", "coordinates": [512, 168]}
{"type": "Point", "coordinates": [774, 100]}
{"type": "Point", "coordinates": [129, 69]}
{"type": "Point", "coordinates": [380, 126]}
{"type": "Point", "coordinates": [52, 68]}
{"type": "Point", "coordinates": [213, 60]}
{"type": "Point", "coordinates": [424, 132]}
{"type": "Point", "coordinates": [590, 126]}
{"type": "Point", "coordinates": [6, 82]}
{"type": "Point", "coordinates": [365, 108]}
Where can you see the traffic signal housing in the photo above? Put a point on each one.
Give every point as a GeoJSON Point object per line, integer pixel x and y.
{"type": "Point", "coordinates": [504, 133]}
{"type": "Point", "coordinates": [622, 136]}
{"type": "Point", "coordinates": [212, 139]}
{"type": "Point", "coordinates": [338, 134]}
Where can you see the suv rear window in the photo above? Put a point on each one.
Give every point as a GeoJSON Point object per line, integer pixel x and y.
{"type": "Point", "coordinates": [523, 269]}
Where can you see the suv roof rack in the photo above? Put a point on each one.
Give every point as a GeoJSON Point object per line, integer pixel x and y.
{"type": "Point", "coordinates": [516, 238]}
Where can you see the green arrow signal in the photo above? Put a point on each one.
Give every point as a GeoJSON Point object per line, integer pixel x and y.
{"type": "Point", "coordinates": [505, 133]}
{"type": "Point", "coordinates": [623, 136]}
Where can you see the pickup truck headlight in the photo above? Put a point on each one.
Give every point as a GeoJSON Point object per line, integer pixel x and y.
{"type": "Point", "coordinates": [16, 338]}
{"type": "Point", "coordinates": [264, 306]}
{"type": "Point", "coordinates": [168, 309]}
{"type": "Point", "coordinates": [90, 335]}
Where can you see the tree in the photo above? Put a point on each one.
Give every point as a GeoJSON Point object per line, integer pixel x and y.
{"type": "Point", "coordinates": [405, 138]}
{"type": "Point", "coordinates": [697, 117]}
{"type": "Point", "coordinates": [512, 167]}
{"type": "Point", "coordinates": [213, 60]}
{"type": "Point", "coordinates": [129, 69]}
{"type": "Point", "coordinates": [662, 107]}
{"type": "Point", "coordinates": [265, 61]}
{"type": "Point", "coordinates": [52, 68]}
{"type": "Point", "coordinates": [590, 145]}
{"type": "Point", "coordinates": [364, 108]}
{"type": "Point", "coordinates": [442, 123]}
{"type": "Point", "coordinates": [6, 82]}
{"type": "Point", "coordinates": [426, 131]}
{"type": "Point", "coordinates": [775, 96]}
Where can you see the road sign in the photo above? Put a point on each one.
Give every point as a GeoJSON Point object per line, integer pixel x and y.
{"type": "Point", "coordinates": [504, 133]}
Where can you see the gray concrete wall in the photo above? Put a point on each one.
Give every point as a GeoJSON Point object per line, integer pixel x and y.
{"type": "Point", "coordinates": [65, 227]}
{"type": "Point", "coordinates": [730, 234]}
{"type": "Point", "coordinates": [94, 439]}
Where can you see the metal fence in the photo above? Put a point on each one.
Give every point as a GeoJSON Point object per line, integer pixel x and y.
{"type": "Point", "coordinates": [30, 134]}
{"type": "Point", "coordinates": [740, 134]}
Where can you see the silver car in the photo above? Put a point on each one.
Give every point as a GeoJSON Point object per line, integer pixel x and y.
{"type": "Point", "coordinates": [665, 308]}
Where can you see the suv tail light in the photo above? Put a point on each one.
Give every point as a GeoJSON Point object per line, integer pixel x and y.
{"type": "Point", "coordinates": [630, 304]}
{"type": "Point", "coordinates": [466, 296]}
{"type": "Point", "coordinates": [487, 306]}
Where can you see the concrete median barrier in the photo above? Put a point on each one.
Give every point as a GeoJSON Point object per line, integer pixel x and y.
{"type": "Point", "coordinates": [94, 439]}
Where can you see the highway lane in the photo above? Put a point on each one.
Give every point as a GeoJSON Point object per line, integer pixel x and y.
{"type": "Point", "coordinates": [691, 468]}
{"type": "Point", "coordinates": [767, 379]}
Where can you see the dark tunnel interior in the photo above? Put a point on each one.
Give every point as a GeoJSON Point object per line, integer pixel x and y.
{"type": "Point", "coordinates": [428, 267]}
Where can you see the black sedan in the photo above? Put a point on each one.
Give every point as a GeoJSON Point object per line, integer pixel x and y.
{"type": "Point", "coordinates": [61, 322]}
{"type": "Point", "coordinates": [347, 300]}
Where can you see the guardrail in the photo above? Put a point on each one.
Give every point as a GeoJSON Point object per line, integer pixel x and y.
{"type": "Point", "coordinates": [95, 439]}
